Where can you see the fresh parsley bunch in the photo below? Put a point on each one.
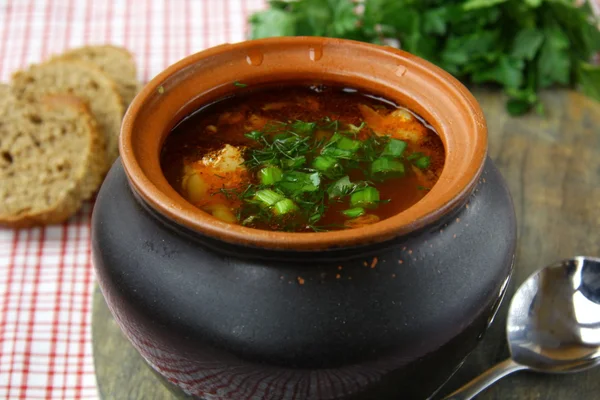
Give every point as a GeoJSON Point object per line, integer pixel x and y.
{"type": "Point", "coordinates": [522, 45]}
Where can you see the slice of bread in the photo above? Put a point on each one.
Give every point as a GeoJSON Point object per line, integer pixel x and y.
{"type": "Point", "coordinates": [51, 159]}
{"type": "Point", "coordinates": [116, 62]}
{"type": "Point", "coordinates": [80, 79]}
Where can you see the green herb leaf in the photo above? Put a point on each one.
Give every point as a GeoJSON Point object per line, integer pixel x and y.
{"type": "Point", "coordinates": [508, 71]}
{"type": "Point", "coordinates": [527, 43]}
{"type": "Point", "coordinates": [522, 100]}
{"type": "Point", "coordinates": [521, 45]}
{"type": "Point", "coordinates": [517, 107]}
{"type": "Point", "coordinates": [476, 4]}
{"type": "Point", "coordinates": [434, 21]}
{"type": "Point", "coordinates": [589, 76]}
{"type": "Point", "coordinates": [534, 3]}
{"type": "Point", "coordinates": [554, 63]}
{"type": "Point", "coordinates": [461, 50]}
{"type": "Point", "coordinates": [272, 22]}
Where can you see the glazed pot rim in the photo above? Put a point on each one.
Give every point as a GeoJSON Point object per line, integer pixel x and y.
{"type": "Point", "coordinates": [422, 87]}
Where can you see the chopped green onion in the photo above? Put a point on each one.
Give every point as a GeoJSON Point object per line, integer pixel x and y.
{"type": "Point", "coordinates": [422, 162]}
{"type": "Point", "coordinates": [293, 163]}
{"type": "Point", "coordinates": [340, 146]}
{"type": "Point", "coordinates": [348, 144]}
{"type": "Point", "coordinates": [354, 212]}
{"type": "Point", "coordinates": [294, 182]}
{"type": "Point", "coordinates": [254, 135]}
{"type": "Point", "coordinates": [385, 167]}
{"type": "Point", "coordinates": [335, 138]}
{"type": "Point", "coordinates": [239, 84]}
{"type": "Point", "coordinates": [315, 179]}
{"type": "Point", "coordinates": [270, 175]}
{"type": "Point", "coordinates": [336, 153]}
{"type": "Point", "coordinates": [341, 187]}
{"type": "Point", "coordinates": [367, 198]}
{"type": "Point", "coordinates": [284, 206]}
{"type": "Point", "coordinates": [268, 197]}
{"type": "Point", "coordinates": [414, 156]}
{"type": "Point", "coordinates": [324, 163]}
{"type": "Point", "coordinates": [394, 148]}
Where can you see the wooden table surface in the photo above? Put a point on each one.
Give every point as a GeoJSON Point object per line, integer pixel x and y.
{"type": "Point", "coordinates": [552, 166]}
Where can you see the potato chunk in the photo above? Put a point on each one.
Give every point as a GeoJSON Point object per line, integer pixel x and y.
{"type": "Point", "coordinates": [399, 124]}
{"type": "Point", "coordinates": [205, 181]}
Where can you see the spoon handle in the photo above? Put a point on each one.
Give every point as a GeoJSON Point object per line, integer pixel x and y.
{"type": "Point", "coordinates": [486, 379]}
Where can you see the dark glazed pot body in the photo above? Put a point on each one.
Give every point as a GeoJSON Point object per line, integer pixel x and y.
{"type": "Point", "coordinates": [225, 313]}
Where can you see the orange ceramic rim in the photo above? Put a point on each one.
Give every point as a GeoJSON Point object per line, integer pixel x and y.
{"type": "Point", "coordinates": [209, 75]}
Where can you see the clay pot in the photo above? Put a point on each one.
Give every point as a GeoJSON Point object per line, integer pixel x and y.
{"type": "Point", "coordinates": [226, 312]}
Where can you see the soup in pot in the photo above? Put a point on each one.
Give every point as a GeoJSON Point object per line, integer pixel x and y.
{"type": "Point", "coordinates": [303, 158]}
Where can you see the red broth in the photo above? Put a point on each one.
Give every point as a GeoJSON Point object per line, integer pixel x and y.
{"type": "Point", "coordinates": [251, 159]}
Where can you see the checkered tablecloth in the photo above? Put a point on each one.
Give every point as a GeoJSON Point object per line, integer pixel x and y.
{"type": "Point", "coordinates": [46, 277]}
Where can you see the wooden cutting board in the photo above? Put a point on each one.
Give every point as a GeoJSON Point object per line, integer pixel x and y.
{"type": "Point", "coordinates": [552, 166]}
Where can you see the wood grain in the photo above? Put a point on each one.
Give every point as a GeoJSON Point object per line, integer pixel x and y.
{"type": "Point", "coordinates": [552, 166]}
{"type": "Point", "coordinates": [121, 373]}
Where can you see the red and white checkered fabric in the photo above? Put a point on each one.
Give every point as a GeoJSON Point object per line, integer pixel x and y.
{"type": "Point", "coordinates": [46, 277]}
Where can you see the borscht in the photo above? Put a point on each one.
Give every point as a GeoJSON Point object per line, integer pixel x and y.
{"type": "Point", "coordinates": [302, 158]}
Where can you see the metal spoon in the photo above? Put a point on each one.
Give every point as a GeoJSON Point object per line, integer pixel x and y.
{"type": "Point", "coordinates": [553, 324]}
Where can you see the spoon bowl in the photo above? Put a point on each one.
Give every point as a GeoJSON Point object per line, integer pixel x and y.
{"type": "Point", "coordinates": [553, 324]}
{"type": "Point", "coordinates": [554, 318]}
